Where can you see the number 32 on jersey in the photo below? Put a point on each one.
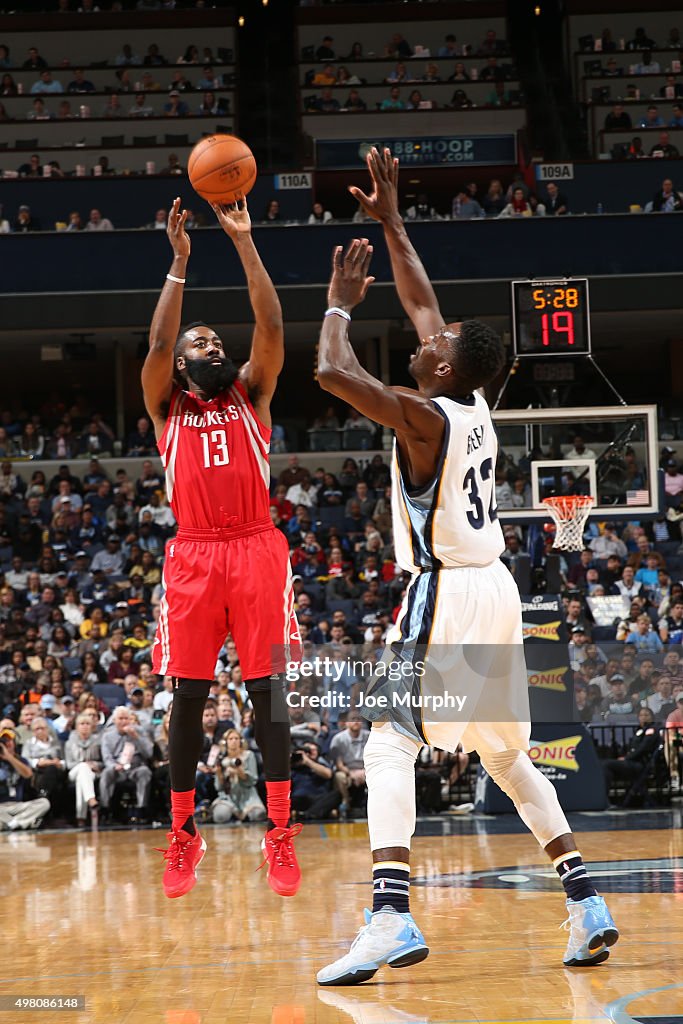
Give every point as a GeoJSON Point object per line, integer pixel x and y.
{"type": "Point", "coordinates": [476, 484]}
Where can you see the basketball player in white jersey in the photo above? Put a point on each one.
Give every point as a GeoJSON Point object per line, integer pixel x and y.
{"type": "Point", "coordinates": [448, 537]}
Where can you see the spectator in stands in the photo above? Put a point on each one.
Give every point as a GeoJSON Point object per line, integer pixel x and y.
{"type": "Point", "coordinates": [34, 62]}
{"type": "Point", "coordinates": [464, 207]}
{"type": "Point", "coordinates": [491, 72]}
{"type": "Point", "coordinates": [628, 586]}
{"type": "Point", "coordinates": [618, 119]}
{"type": "Point", "coordinates": [356, 52]}
{"type": "Point", "coordinates": [175, 106]}
{"type": "Point", "coordinates": [126, 753]}
{"type": "Point", "coordinates": [75, 223]}
{"type": "Point", "coordinates": [608, 543]}
{"type": "Point", "coordinates": [141, 441]}
{"type": "Point", "coordinates": [652, 118]}
{"type": "Point", "coordinates": [325, 51]}
{"type": "Point", "coordinates": [421, 209]}
{"type": "Point", "coordinates": [84, 764]}
{"type": "Point", "coordinates": [674, 40]}
{"type": "Point", "coordinates": [499, 97]}
{"type": "Point", "coordinates": [127, 58]}
{"type": "Point", "coordinates": [174, 167]}
{"type": "Point", "coordinates": [236, 777]}
{"type": "Point", "coordinates": [25, 221]}
{"type": "Point", "coordinates": [519, 206]}
{"type": "Point", "coordinates": [149, 82]}
{"type": "Point", "coordinates": [415, 100]}
{"type": "Point", "coordinates": [123, 82]}
{"type": "Point", "coordinates": [324, 77]}
{"type": "Point", "coordinates": [449, 49]}
{"type": "Point", "coordinates": [398, 47]}
{"type": "Point", "coordinates": [344, 77]}
{"type": "Point", "coordinates": [80, 83]}
{"type": "Point", "coordinates": [431, 73]}
{"type": "Point", "coordinates": [319, 215]}
{"type": "Point", "coordinates": [326, 103]}
{"type": "Point", "coordinates": [141, 108]}
{"type": "Point", "coordinates": [644, 638]}
{"type": "Point", "coordinates": [493, 203]}
{"type": "Point", "coordinates": [98, 223]}
{"type": "Point", "coordinates": [5, 61]}
{"type": "Point", "coordinates": [635, 150]}
{"type": "Point", "coordinates": [459, 74]}
{"type": "Point", "coordinates": [346, 749]}
{"type": "Point", "coordinates": [44, 753]}
{"type": "Point", "coordinates": [612, 70]}
{"type": "Point", "coordinates": [46, 83]}
{"type": "Point", "coordinates": [154, 59]}
{"type": "Point", "coordinates": [641, 41]}
{"type": "Point", "coordinates": [16, 775]}
{"type": "Point", "coordinates": [209, 105]}
{"type": "Point", "coordinates": [608, 44]}
{"type": "Point", "coordinates": [39, 112]}
{"type": "Point", "coordinates": [354, 101]}
{"type": "Point", "coordinates": [112, 107]}
{"type": "Point", "coordinates": [491, 45]}
{"type": "Point", "coordinates": [667, 200]}
{"type": "Point", "coordinates": [460, 100]}
{"type": "Point", "coordinates": [8, 86]}
{"type": "Point", "coordinates": [648, 66]}
{"type": "Point", "coordinates": [664, 148]}
{"type": "Point", "coordinates": [677, 120]}
{"type": "Point", "coordinates": [672, 89]}
{"type": "Point", "coordinates": [556, 202]}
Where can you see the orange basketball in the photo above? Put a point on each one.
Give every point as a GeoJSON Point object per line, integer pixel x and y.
{"type": "Point", "coordinates": [221, 168]}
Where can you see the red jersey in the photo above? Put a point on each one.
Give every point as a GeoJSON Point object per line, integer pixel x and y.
{"type": "Point", "coordinates": [216, 459]}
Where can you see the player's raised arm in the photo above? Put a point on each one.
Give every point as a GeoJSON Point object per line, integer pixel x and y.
{"type": "Point", "coordinates": [413, 286]}
{"type": "Point", "coordinates": [157, 372]}
{"type": "Point", "coordinates": [408, 412]}
{"type": "Point", "coordinates": [267, 347]}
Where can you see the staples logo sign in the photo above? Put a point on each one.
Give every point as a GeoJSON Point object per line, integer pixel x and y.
{"type": "Point", "coordinates": [556, 753]}
{"type": "Point", "coordinates": [541, 630]}
{"type": "Point", "coordinates": [549, 679]}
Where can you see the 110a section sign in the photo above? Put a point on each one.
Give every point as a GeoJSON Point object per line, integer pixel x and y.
{"type": "Point", "coordinates": [551, 317]}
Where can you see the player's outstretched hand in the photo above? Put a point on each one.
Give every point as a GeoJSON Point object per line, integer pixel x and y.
{"type": "Point", "coordinates": [175, 229]}
{"type": "Point", "coordinates": [382, 203]}
{"type": "Point", "coordinates": [350, 280]}
{"type": "Point", "coordinates": [233, 218]}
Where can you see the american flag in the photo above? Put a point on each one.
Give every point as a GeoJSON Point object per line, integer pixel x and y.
{"type": "Point", "coordinates": [637, 497]}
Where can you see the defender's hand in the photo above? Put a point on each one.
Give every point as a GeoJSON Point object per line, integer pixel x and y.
{"type": "Point", "coordinates": [350, 279]}
{"type": "Point", "coordinates": [234, 219]}
{"type": "Point", "coordinates": [382, 203]}
{"type": "Point", "coordinates": [175, 229]}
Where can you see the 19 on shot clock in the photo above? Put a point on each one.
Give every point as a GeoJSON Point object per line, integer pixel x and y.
{"type": "Point", "coordinates": [551, 317]}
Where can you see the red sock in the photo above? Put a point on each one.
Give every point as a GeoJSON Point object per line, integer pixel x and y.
{"type": "Point", "coordinates": [182, 806]}
{"type": "Point", "coordinates": [278, 802]}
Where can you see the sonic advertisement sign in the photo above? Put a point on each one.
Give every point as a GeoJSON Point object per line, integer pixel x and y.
{"type": "Point", "coordinates": [547, 659]}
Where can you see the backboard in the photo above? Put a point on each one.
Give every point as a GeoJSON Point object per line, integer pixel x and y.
{"type": "Point", "coordinates": [609, 452]}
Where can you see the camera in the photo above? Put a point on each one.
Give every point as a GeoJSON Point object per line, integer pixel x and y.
{"type": "Point", "coordinates": [297, 758]}
{"type": "Point", "coordinates": [235, 762]}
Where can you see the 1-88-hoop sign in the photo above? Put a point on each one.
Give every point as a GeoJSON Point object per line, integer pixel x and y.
{"type": "Point", "coordinates": [551, 317]}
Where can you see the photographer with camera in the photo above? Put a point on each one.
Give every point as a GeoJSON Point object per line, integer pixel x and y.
{"type": "Point", "coordinates": [15, 779]}
{"type": "Point", "coordinates": [236, 777]}
{"type": "Point", "coordinates": [312, 794]}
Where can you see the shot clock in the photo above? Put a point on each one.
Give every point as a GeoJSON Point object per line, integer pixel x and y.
{"type": "Point", "coordinates": [551, 318]}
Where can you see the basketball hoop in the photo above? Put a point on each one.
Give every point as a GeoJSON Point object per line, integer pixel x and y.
{"type": "Point", "coordinates": [570, 515]}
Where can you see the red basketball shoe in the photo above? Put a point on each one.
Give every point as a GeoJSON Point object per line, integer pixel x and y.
{"type": "Point", "coordinates": [184, 855]}
{"type": "Point", "coordinates": [284, 873]}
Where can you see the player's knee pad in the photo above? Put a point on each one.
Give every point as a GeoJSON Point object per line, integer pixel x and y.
{"type": "Point", "coordinates": [193, 689]}
{"type": "Point", "coordinates": [389, 761]}
{"type": "Point", "coordinates": [533, 795]}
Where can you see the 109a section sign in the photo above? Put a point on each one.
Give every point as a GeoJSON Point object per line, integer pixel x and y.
{"type": "Point", "coordinates": [430, 151]}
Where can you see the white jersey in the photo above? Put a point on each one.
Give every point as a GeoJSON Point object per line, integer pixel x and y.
{"type": "Point", "coordinates": [452, 521]}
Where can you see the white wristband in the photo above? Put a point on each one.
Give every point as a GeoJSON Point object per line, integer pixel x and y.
{"type": "Point", "coordinates": [178, 280]}
{"type": "Point", "coordinates": [336, 311]}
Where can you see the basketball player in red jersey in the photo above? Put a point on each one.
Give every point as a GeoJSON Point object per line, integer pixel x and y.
{"type": "Point", "coordinates": [227, 570]}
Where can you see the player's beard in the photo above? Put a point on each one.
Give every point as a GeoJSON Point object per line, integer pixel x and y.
{"type": "Point", "coordinates": [211, 378]}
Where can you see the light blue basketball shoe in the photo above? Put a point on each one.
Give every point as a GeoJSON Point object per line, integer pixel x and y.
{"type": "Point", "coordinates": [387, 938]}
{"type": "Point", "coordinates": [592, 930]}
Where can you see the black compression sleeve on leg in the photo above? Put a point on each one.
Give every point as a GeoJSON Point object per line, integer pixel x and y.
{"type": "Point", "coordinates": [271, 726]}
{"type": "Point", "coordinates": [185, 733]}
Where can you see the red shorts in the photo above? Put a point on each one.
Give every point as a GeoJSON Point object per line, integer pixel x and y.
{"type": "Point", "coordinates": [237, 580]}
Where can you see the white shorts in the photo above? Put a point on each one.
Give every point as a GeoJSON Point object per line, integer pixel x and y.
{"type": "Point", "coordinates": [467, 624]}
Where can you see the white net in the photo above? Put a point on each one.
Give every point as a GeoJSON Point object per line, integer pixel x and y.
{"type": "Point", "coordinates": [570, 515]}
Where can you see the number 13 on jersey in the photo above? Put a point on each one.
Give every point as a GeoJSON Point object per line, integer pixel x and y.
{"type": "Point", "coordinates": [215, 448]}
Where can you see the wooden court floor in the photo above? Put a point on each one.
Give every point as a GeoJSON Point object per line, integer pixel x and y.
{"type": "Point", "coordinates": [83, 914]}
